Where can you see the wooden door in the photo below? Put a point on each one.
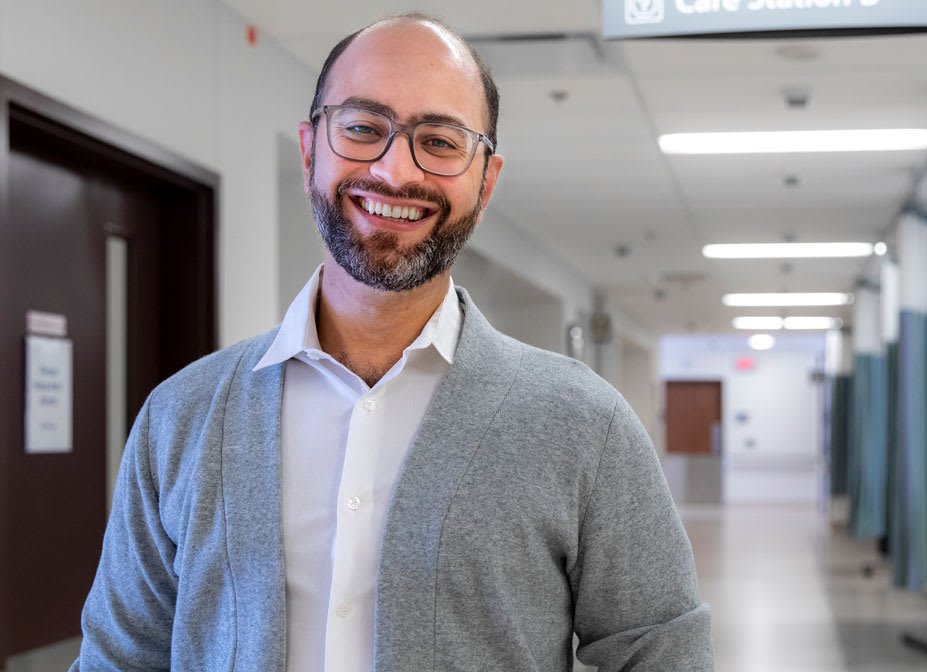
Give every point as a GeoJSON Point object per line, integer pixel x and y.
{"type": "Point", "coordinates": [693, 417]}
{"type": "Point", "coordinates": [62, 193]}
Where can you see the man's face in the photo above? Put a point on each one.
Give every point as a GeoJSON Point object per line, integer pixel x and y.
{"type": "Point", "coordinates": [414, 70]}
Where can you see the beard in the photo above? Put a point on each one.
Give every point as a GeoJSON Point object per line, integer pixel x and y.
{"type": "Point", "coordinates": [378, 260]}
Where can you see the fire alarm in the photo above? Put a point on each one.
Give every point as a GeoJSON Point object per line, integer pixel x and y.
{"type": "Point", "coordinates": [251, 34]}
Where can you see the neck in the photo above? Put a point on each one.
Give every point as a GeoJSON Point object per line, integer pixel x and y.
{"type": "Point", "coordinates": [367, 329]}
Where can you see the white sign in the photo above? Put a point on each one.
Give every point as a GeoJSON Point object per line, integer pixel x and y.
{"type": "Point", "coordinates": [48, 395]}
{"type": "Point", "coordinates": [657, 18]}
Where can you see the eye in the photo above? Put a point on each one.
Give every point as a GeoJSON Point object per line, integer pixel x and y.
{"type": "Point", "coordinates": [442, 141]}
{"type": "Point", "coordinates": [360, 126]}
{"type": "Point", "coordinates": [439, 143]}
{"type": "Point", "coordinates": [360, 129]}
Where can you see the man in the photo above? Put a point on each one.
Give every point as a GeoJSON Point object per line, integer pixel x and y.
{"type": "Point", "coordinates": [386, 482]}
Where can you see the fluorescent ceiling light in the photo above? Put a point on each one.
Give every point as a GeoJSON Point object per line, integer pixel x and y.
{"type": "Point", "coordinates": [779, 142]}
{"type": "Point", "coordinates": [788, 299]}
{"type": "Point", "coordinates": [759, 323]}
{"type": "Point", "coordinates": [786, 250]}
{"type": "Point", "coordinates": [761, 341]}
{"type": "Point", "coordinates": [801, 322]}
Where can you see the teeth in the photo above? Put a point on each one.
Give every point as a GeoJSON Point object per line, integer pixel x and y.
{"type": "Point", "coordinates": [395, 212]}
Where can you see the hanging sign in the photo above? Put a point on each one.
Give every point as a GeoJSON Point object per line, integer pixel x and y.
{"type": "Point", "coordinates": [659, 18]}
{"type": "Point", "coordinates": [48, 394]}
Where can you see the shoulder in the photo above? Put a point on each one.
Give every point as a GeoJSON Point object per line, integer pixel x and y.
{"type": "Point", "coordinates": [552, 380]}
{"type": "Point", "coordinates": [540, 381]}
{"type": "Point", "coordinates": [204, 383]}
{"type": "Point", "coordinates": [564, 376]}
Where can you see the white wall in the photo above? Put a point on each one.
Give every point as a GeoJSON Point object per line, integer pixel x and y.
{"type": "Point", "coordinates": [638, 384]}
{"type": "Point", "coordinates": [506, 245]}
{"type": "Point", "coordinates": [512, 305]}
{"type": "Point", "coordinates": [770, 415]}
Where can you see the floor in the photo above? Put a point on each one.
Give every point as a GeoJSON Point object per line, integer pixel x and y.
{"type": "Point", "coordinates": [788, 593]}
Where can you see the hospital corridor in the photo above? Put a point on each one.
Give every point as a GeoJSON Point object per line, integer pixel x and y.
{"type": "Point", "coordinates": [517, 337]}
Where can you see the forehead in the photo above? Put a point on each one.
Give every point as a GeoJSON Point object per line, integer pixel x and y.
{"type": "Point", "coordinates": [414, 68]}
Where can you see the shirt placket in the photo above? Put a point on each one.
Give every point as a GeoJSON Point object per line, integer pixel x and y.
{"type": "Point", "coordinates": [354, 555]}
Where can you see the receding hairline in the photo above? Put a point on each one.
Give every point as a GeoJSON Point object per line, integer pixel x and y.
{"type": "Point", "coordinates": [466, 54]}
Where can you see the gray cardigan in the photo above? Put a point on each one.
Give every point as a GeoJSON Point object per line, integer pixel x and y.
{"type": "Point", "coordinates": [531, 504]}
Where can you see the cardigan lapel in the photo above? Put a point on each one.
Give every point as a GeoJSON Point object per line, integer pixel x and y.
{"type": "Point", "coordinates": [252, 499]}
{"type": "Point", "coordinates": [464, 406]}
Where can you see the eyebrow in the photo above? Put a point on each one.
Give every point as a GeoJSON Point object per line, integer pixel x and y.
{"type": "Point", "coordinates": [387, 111]}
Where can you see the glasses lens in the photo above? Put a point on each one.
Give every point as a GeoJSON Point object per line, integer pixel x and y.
{"type": "Point", "coordinates": [357, 134]}
{"type": "Point", "coordinates": [443, 149]}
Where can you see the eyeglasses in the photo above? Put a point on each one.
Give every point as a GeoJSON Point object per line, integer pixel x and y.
{"type": "Point", "coordinates": [358, 134]}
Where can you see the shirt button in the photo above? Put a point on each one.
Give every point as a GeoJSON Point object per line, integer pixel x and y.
{"type": "Point", "coordinates": [370, 404]}
{"type": "Point", "coordinates": [354, 503]}
{"type": "Point", "coordinates": [343, 610]}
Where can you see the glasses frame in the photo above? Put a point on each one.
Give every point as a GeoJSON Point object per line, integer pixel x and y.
{"type": "Point", "coordinates": [395, 128]}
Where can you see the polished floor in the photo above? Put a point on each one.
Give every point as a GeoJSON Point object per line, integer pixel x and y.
{"type": "Point", "coordinates": [789, 593]}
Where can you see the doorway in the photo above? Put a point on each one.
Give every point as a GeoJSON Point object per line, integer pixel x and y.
{"type": "Point", "coordinates": [73, 190]}
{"type": "Point", "coordinates": [693, 417]}
{"type": "Point", "coordinates": [693, 462]}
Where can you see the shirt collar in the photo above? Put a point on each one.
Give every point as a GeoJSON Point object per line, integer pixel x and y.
{"type": "Point", "coordinates": [298, 331]}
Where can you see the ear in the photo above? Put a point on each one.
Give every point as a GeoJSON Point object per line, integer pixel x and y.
{"type": "Point", "coordinates": [493, 168]}
{"type": "Point", "coordinates": [305, 150]}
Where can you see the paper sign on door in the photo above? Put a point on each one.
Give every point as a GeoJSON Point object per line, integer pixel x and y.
{"type": "Point", "coordinates": [48, 395]}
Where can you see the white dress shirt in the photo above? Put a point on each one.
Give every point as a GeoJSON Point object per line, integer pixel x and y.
{"type": "Point", "coordinates": [343, 445]}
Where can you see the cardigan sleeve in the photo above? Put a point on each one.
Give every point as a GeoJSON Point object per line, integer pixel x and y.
{"type": "Point", "coordinates": [129, 613]}
{"type": "Point", "coordinates": [636, 596]}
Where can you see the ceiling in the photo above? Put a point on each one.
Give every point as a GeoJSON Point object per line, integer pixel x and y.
{"type": "Point", "coordinates": [578, 129]}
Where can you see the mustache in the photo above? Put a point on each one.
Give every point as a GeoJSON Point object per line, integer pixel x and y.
{"type": "Point", "coordinates": [410, 192]}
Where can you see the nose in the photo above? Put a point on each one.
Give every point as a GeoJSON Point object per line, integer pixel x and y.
{"type": "Point", "coordinates": [397, 167]}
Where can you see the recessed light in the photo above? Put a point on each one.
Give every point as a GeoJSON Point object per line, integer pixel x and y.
{"type": "Point", "coordinates": [761, 341]}
{"type": "Point", "coordinates": [784, 142]}
{"type": "Point", "coordinates": [880, 248]}
{"type": "Point", "coordinates": [788, 299]}
{"type": "Point", "coordinates": [786, 250]}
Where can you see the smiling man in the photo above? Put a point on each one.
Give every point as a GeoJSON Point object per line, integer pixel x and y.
{"type": "Point", "coordinates": [385, 482]}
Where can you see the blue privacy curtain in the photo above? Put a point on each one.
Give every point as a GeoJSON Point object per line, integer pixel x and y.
{"type": "Point", "coordinates": [839, 432]}
{"type": "Point", "coordinates": [912, 396]}
{"type": "Point", "coordinates": [866, 461]}
{"type": "Point", "coordinates": [912, 437]}
{"type": "Point", "coordinates": [897, 540]}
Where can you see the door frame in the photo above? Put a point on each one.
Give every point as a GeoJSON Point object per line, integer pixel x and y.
{"type": "Point", "coordinates": [107, 142]}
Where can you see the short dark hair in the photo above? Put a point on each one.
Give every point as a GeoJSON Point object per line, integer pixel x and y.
{"type": "Point", "coordinates": [489, 85]}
